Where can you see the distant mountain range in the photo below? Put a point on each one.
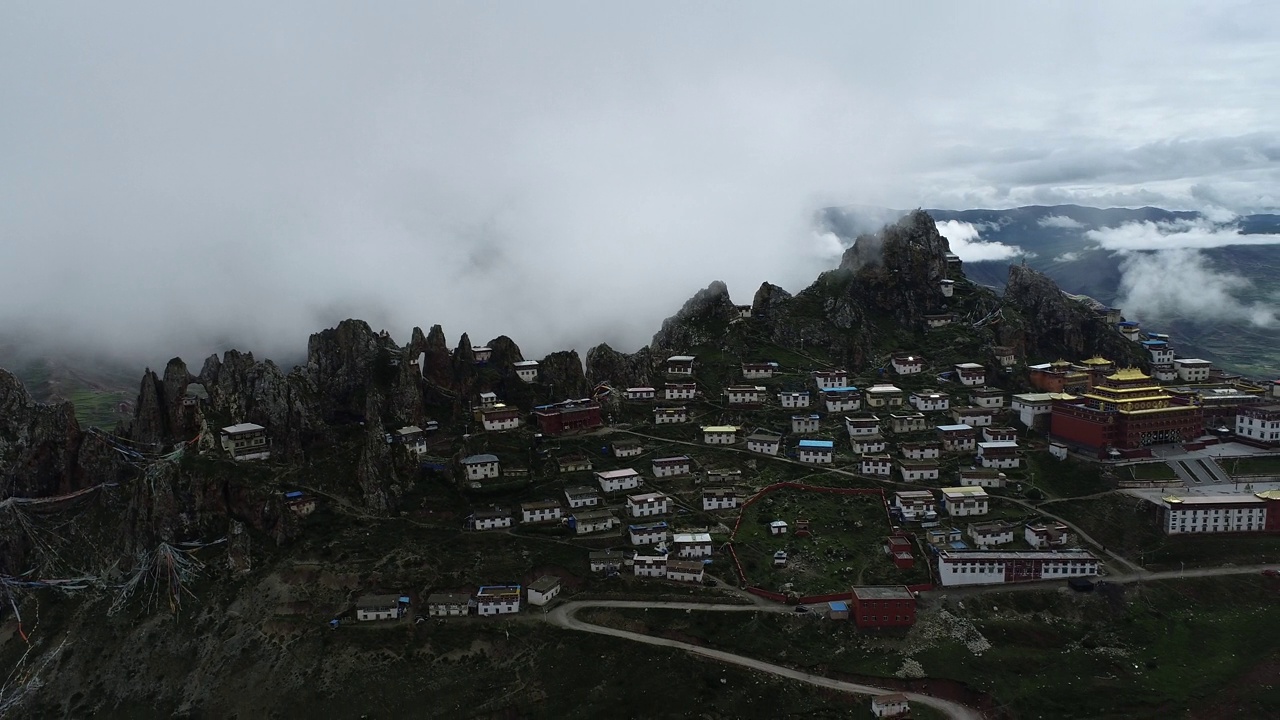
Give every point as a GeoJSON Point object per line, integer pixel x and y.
{"type": "Point", "coordinates": [1212, 283]}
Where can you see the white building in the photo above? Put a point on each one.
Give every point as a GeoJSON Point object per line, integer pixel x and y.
{"type": "Point", "coordinates": [825, 379]}
{"type": "Point", "coordinates": [692, 545]}
{"type": "Point", "coordinates": [745, 394]}
{"type": "Point", "coordinates": [987, 567]}
{"type": "Point", "coordinates": [585, 522]}
{"type": "Point", "coordinates": [805, 423]}
{"type": "Point", "coordinates": [480, 467]}
{"type": "Point", "coordinates": [907, 422]}
{"type": "Point", "coordinates": [991, 534]}
{"type": "Point", "coordinates": [778, 527]}
{"type": "Point", "coordinates": [543, 590]}
{"type": "Point", "coordinates": [650, 534]}
{"type": "Point", "coordinates": [948, 287]}
{"type": "Point", "coordinates": [971, 374]}
{"type": "Point", "coordinates": [490, 519]}
{"type": "Point", "coordinates": [719, 434]}
{"type": "Point", "coordinates": [1034, 408]}
{"type": "Point", "coordinates": [378, 607]}
{"type": "Point", "coordinates": [1214, 514]}
{"type": "Point", "coordinates": [412, 437]}
{"type": "Point", "coordinates": [627, 448]}
{"type": "Point", "coordinates": [763, 442]}
{"type": "Point", "coordinates": [881, 465]}
{"type": "Point", "coordinates": [930, 400]}
{"type": "Point", "coordinates": [793, 400]}
{"type": "Point", "coordinates": [527, 370]}
{"type": "Point", "coordinates": [680, 365]}
{"type": "Point", "coordinates": [995, 433]}
{"type": "Point", "coordinates": [986, 397]}
{"type": "Point", "coordinates": [648, 504]}
{"type": "Point", "coordinates": [612, 481]}
{"type": "Point", "coordinates": [907, 364]}
{"type": "Point", "coordinates": [246, 441]}
{"type": "Point", "coordinates": [973, 416]}
{"type": "Point", "coordinates": [679, 391]}
{"type": "Point", "coordinates": [818, 452]}
{"type": "Point", "coordinates": [896, 704]}
{"type": "Point", "coordinates": [720, 499]}
{"type": "Point", "coordinates": [1046, 535]}
{"type": "Point", "coordinates": [844, 399]}
{"type": "Point", "coordinates": [867, 444]}
{"type": "Point", "coordinates": [672, 466]}
{"type": "Point", "coordinates": [999, 455]}
{"type": "Point", "coordinates": [689, 571]}
{"type": "Point", "coordinates": [500, 418]}
{"type": "Point", "coordinates": [640, 393]}
{"type": "Point", "coordinates": [883, 395]}
{"type": "Point", "coordinates": [481, 353]}
{"type": "Point", "coordinates": [488, 399]}
{"type": "Point", "coordinates": [667, 416]}
{"type": "Point", "coordinates": [930, 450]}
{"type": "Point", "coordinates": [917, 470]}
{"type": "Point", "coordinates": [982, 477]}
{"type": "Point", "coordinates": [1192, 369]}
{"type": "Point", "coordinates": [759, 371]}
{"type": "Point", "coordinates": [1260, 423]}
{"type": "Point", "coordinates": [862, 425]}
{"type": "Point", "coordinates": [650, 565]}
{"type": "Point", "coordinates": [448, 604]}
{"type": "Point", "coordinates": [937, 320]}
{"type": "Point", "coordinates": [540, 511]}
{"type": "Point", "coordinates": [965, 501]}
{"type": "Point", "coordinates": [582, 497]}
{"type": "Point", "coordinates": [1161, 353]}
{"type": "Point", "coordinates": [957, 438]}
{"type": "Point", "coordinates": [915, 504]}
{"type": "Point", "coordinates": [498, 600]}
{"type": "Point", "coordinates": [605, 560]}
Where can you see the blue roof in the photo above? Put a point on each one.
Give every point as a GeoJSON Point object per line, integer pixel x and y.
{"type": "Point", "coordinates": [806, 417]}
{"type": "Point", "coordinates": [839, 606]}
{"type": "Point", "coordinates": [820, 444]}
{"type": "Point", "coordinates": [848, 388]}
{"type": "Point", "coordinates": [1154, 343]}
{"type": "Point", "coordinates": [1128, 323]}
{"type": "Point", "coordinates": [293, 494]}
{"type": "Point", "coordinates": [404, 599]}
{"type": "Point", "coordinates": [957, 545]}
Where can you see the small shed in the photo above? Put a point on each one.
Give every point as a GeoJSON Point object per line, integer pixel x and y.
{"type": "Point", "coordinates": [778, 527]}
{"type": "Point", "coordinates": [838, 610]}
{"type": "Point", "coordinates": [780, 558]}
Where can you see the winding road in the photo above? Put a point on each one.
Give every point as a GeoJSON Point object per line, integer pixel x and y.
{"type": "Point", "coordinates": [564, 616]}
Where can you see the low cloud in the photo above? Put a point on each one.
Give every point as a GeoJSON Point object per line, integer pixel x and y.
{"type": "Point", "coordinates": [1060, 221]}
{"type": "Point", "coordinates": [1067, 257]}
{"type": "Point", "coordinates": [1195, 234]}
{"type": "Point", "coordinates": [1182, 284]}
{"type": "Point", "coordinates": [967, 243]}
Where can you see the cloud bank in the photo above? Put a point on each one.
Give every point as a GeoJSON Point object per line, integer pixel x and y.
{"type": "Point", "coordinates": [1177, 235]}
{"type": "Point", "coordinates": [1182, 284]}
{"type": "Point", "coordinates": [967, 243]}
{"type": "Point", "coordinates": [1059, 221]}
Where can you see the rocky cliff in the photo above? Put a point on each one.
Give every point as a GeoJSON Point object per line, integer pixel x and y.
{"type": "Point", "coordinates": [1049, 324]}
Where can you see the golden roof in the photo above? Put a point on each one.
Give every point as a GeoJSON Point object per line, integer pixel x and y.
{"type": "Point", "coordinates": [1096, 360]}
{"type": "Point", "coordinates": [1129, 373]}
{"type": "Point", "coordinates": [1269, 494]}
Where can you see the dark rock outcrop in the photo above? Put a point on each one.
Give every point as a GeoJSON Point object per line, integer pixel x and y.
{"type": "Point", "coordinates": [702, 319]}
{"type": "Point", "coordinates": [1054, 325]}
{"type": "Point", "coordinates": [563, 374]}
{"type": "Point", "coordinates": [620, 370]}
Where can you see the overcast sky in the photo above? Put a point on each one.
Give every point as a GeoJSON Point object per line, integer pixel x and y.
{"type": "Point", "coordinates": [177, 179]}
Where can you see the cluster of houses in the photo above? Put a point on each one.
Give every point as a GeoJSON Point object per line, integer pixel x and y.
{"type": "Point", "coordinates": [485, 601]}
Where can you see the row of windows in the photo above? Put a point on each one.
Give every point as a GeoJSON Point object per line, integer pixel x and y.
{"type": "Point", "coordinates": [874, 618]}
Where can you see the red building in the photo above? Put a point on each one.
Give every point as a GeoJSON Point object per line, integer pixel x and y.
{"type": "Point", "coordinates": [568, 416]}
{"type": "Point", "coordinates": [898, 549]}
{"type": "Point", "coordinates": [880, 606]}
{"type": "Point", "coordinates": [1128, 410]}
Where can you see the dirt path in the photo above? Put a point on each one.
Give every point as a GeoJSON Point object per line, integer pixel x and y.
{"type": "Point", "coordinates": [564, 616]}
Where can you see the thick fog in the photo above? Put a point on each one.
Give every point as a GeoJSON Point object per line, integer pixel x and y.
{"type": "Point", "coordinates": [178, 180]}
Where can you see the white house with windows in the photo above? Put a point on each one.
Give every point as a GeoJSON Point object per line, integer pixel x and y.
{"type": "Point", "coordinates": [792, 400]}
{"type": "Point", "coordinates": [990, 534]}
{"type": "Point", "coordinates": [692, 545]}
{"type": "Point", "coordinates": [907, 422]}
{"type": "Point", "coordinates": [965, 501]}
{"type": "Point", "coordinates": [540, 511]}
{"type": "Point", "coordinates": [973, 416]}
{"type": "Point", "coordinates": [650, 566]}
{"type": "Point", "coordinates": [640, 393]}
{"type": "Point", "coordinates": [672, 466]}
{"type": "Point", "coordinates": [862, 425]}
{"type": "Point", "coordinates": [585, 522]}
{"type": "Point", "coordinates": [246, 441]}
{"type": "Point", "coordinates": [927, 450]}
{"type": "Point", "coordinates": [1192, 369]}
{"type": "Point", "coordinates": [826, 379]}
{"type": "Point", "coordinates": [907, 363]}
{"type": "Point", "coordinates": [883, 395]}
{"type": "Point", "coordinates": [930, 400]}
{"type": "Point", "coordinates": [670, 415]}
{"type": "Point", "coordinates": [998, 455]}
{"type": "Point", "coordinates": [494, 518]}
{"type": "Point", "coordinates": [805, 423]}
{"type": "Point", "coordinates": [982, 477]}
{"type": "Point", "coordinates": [689, 571]}
{"type": "Point", "coordinates": [845, 399]}
{"type": "Point", "coordinates": [605, 560]}
{"type": "Point", "coordinates": [488, 399]}
{"type": "Point", "coordinates": [719, 434]}
{"type": "Point", "coordinates": [1045, 535]}
{"type": "Point", "coordinates": [726, 498]}
{"type": "Point", "coordinates": [612, 481]}
{"type": "Point", "coordinates": [648, 534]}
{"type": "Point", "coordinates": [412, 437]}
{"type": "Point", "coordinates": [498, 600]}
{"type": "Point", "coordinates": [379, 607]}
{"type": "Point", "coordinates": [957, 437]}
{"type": "Point", "coordinates": [915, 504]}
{"type": "Point", "coordinates": [500, 418]}
{"type": "Point", "coordinates": [680, 364]}
{"type": "Point", "coordinates": [648, 504]}
{"type": "Point", "coordinates": [818, 452]}
{"type": "Point", "coordinates": [448, 604]}
{"type": "Point", "coordinates": [759, 370]}
{"type": "Point", "coordinates": [894, 705]}
{"type": "Point", "coordinates": [999, 433]}
{"type": "Point", "coordinates": [881, 465]}
{"type": "Point", "coordinates": [867, 444]}
{"type": "Point", "coordinates": [627, 448]}
{"type": "Point", "coordinates": [679, 391]}
{"type": "Point", "coordinates": [543, 590]}
{"type": "Point", "coordinates": [989, 567]}
{"type": "Point", "coordinates": [527, 370]}
{"type": "Point", "coordinates": [971, 374]}
{"type": "Point", "coordinates": [745, 394]}
{"type": "Point", "coordinates": [1214, 514]}
{"type": "Point", "coordinates": [582, 497]}
{"type": "Point", "coordinates": [764, 442]}
{"type": "Point", "coordinates": [480, 467]}
{"type": "Point", "coordinates": [918, 470]}
{"type": "Point", "coordinates": [987, 397]}
{"type": "Point", "coordinates": [1260, 423]}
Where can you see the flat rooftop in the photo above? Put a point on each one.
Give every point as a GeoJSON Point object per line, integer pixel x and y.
{"type": "Point", "coordinates": [883, 592]}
